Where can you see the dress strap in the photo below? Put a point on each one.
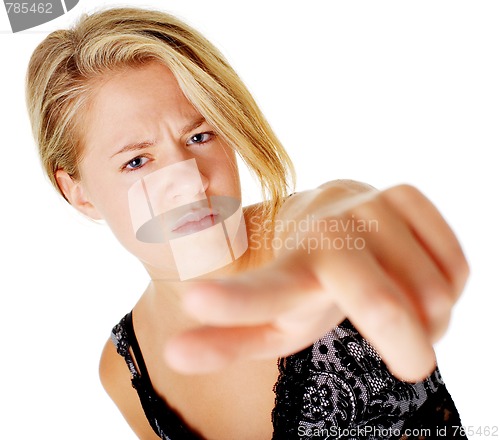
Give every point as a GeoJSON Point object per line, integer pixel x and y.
{"type": "Point", "coordinates": [136, 350]}
{"type": "Point", "coordinates": [164, 420]}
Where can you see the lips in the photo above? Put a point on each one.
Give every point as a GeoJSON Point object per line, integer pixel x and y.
{"type": "Point", "coordinates": [195, 220]}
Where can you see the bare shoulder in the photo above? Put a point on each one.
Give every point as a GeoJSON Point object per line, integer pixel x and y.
{"type": "Point", "coordinates": [255, 218]}
{"type": "Point", "coordinates": [115, 378]}
{"type": "Point", "coordinates": [255, 210]}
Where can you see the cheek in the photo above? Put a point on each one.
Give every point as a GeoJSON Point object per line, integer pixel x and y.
{"type": "Point", "coordinates": [223, 175]}
{"type": "Point", "coordinates": [119, 220]}
{"type": "Point", "coordinates": [113, 205]}
{"type": "Point", "coordinates": [111, 199]}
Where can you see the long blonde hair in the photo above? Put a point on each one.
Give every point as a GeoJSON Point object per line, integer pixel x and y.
{"type": "Point", "coordinates": [65, 66]}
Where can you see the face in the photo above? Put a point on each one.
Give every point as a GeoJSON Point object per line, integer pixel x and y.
{"type": "Point", "coordinates": [146, 148]}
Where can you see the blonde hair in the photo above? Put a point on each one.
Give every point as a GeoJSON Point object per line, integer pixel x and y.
{"type": "Point", "coordinates": [65, 66]}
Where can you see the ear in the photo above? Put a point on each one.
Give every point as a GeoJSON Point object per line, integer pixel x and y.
{"type": "Point", "coordinates": [75, 193]}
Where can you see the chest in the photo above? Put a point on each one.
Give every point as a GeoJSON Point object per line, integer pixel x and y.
{"type": "Point", "coordinates": [235, 403]}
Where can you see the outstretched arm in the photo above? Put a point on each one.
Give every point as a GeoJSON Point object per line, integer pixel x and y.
{"type": "Point", "coordinates": [387, 260]}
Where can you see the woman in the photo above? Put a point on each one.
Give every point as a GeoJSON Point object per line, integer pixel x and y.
{"type": "Point", "coordinates": [138, 120]}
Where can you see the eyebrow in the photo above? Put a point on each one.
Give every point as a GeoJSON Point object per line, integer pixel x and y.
{"type": "Point", "coordinates": [137, 146]}
{"type": "Point", "coordinates": [133, 147]}
{"type": "Point", "coordinates": [192, 125]}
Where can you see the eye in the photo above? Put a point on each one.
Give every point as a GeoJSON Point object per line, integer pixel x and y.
{"type": "Point", "coordinates": [135, 163]}
{"type": "Point", "coordinates": [200, 138]}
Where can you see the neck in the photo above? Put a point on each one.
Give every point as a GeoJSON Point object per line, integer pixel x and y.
{"type": "Point", "coordinates": [162, 300]}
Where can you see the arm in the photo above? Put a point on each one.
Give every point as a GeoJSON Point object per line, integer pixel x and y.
{"type": "Point", "coordinates": [115, 378]}
{"type": "Point", "coordinates": [397, 285]}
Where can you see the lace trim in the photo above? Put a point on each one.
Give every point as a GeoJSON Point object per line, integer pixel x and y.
{"type": "Point", "coordinates": [336, 385]}
{"type": "Point", "coordinates": [289, 391]}
{"type": "Point", "coordinates": [340, 385]}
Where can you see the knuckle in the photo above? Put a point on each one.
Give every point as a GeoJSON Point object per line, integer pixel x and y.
{"type": "Point", "coordinates": [368, 210]}
{"type": "Point", "coordinates": [437, 306]}
{"type": "Point", "coordinates": [407, 189]}
{"type": "Point", "coordinates": [441, 299]}
{"type": "Point", "coordinates": [460, 272]}
{"type": "Point", "coordinates": [439, 326]}
{"type": "Point", "coordinates": [464, 268]}
{"type": "Point", "coordinates": [402, 192]}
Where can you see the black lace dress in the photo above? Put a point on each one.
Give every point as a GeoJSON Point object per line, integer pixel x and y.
{"type": "Point", "coordinates": [338, 388]}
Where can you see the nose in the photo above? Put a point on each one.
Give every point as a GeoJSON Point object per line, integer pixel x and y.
{"type": "Point", "coordinates": [186, 186]}
{"type": "Point", "coordinates": [165, 189]}
{"type": "Point", "coordinates": [175, 185]}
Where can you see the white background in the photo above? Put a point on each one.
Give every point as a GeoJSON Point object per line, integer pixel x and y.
{"type": "Point", "coordinates": [379, 91]}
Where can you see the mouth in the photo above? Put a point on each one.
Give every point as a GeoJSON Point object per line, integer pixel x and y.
{"type": "Point", "coordinates": [195, 220]}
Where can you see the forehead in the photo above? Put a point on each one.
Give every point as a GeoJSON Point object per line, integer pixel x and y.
{"type": "Point", "coordinates": [149, 80]}
{"type": "Point", "coordinates": [135, 101]}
